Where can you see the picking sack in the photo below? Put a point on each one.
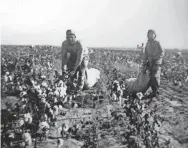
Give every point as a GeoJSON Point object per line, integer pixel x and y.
{"type": "Point", "coordinates": [92, 77]}
{"type": "Point", "coordinates": [140, 84]}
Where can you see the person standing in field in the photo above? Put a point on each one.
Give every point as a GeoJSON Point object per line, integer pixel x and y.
{"type": "Point", "coordinates": [152, 60]}
{"type": "Point", "coordinates": [74, 58]}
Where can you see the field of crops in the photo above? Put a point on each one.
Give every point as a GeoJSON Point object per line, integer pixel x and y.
{"type": "Point", "coordinates": [145, 123]}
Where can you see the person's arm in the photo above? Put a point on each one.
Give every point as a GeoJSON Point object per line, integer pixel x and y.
{"type": "Point", "coordinates": [79, 55]}
{"type": "Point", "coordinates": [161, 54]}
{"type": "Point", "coordinates": [145, 56]}
{"type": "Point", "coordinates": [64, 57]}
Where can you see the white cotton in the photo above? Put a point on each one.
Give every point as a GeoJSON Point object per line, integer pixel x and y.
{"type": "Point", "coordinates": [62, 91]}
{"type": "Point", "coordinates": [26, 116]}
{"type": "Point", "coordinates": [43, 77]}
{"type": "Point", "coordinates": [44, 94]}
{"type": "Point", "coordinates": [186, 80]}
{"type": "Point", "coordinates": [7, 73]}
{"type": "Point", "coordinates": [51, 111]}
{"type": "Point", "coordinates": [56, 93]}
{"type": "Point", "coordinates": [23, 93]}
{"type": "Point", "coordinates": [66, 128]}
{"type": "Point", "coordinates": [45, 117]}
{"type": "Point", "coordinates": [10, 78]}
{"type": "Point", "coordinates": [30, 119]}
{"type": "Point", "coordinates": [23, 100]}
{"type": "Point", "coordinates": [60, 143]}
{"type": "Point", "coordinates": [43, 100]}
{"type": "Point", "coordinates": [120, 101]}
{"type": "Point", "coordinates": [23, 106]}
{"type": "Point", "coordinates": [12, 135]}
{"type": "Point", "coordinates": [5, 78]}
{"type": "Point", "coordinates": [61, 83]}
{"type": "Point", "coordinates": [20, 123]}
{"type": "Point", "coordinates": [140, 95]}
{"type": "Point", "coordinates": [75, 105]}
{"type": "Point", "coordinates": [27, 138]}
{"type": "Point", "coordinates": [114, 97]}
{"type": "Point", "coordinates": [37, 87]}
{"type": "Point", "coordinates": [44, 84]}
{"type": "Point", "coordinates": [43, 125]}
{"type": "Point", "coordinates": [55, 110]}
{"type": "Point", "coordinates": [50, 93]}
{"type": "Point", "coordinates": [20, 88]}
{"type": "Point", "coordinates": [65, 99]}
{"type": "Point", "coordinates": [32, 81]}
{"type": "Point", "coordinates": [55, 100]}
{"type": "Point", "coordinates": [48, 105]}
{"type": "Point", "coordinates": [39, 91]}
{"type": "Point", "coordinates": [60, 107]}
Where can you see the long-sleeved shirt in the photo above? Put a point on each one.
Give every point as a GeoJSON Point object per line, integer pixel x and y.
{"type": "Point", "coordinates": [74, 53]}
{"type": "Point", "coordinates": [153, 53]}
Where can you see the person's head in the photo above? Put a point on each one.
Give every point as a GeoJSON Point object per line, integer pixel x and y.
{"type": "Point", "coordinates": [71, 37]}
{"type": "Point", "coordinates": [151, 34]}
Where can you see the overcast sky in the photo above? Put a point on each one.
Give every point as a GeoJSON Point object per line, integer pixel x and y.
{"type": "Point", "coordinates": [98, 23]}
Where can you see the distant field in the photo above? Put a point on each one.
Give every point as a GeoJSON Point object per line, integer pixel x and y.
{"type": "Point", "coordinates": [173, 102]}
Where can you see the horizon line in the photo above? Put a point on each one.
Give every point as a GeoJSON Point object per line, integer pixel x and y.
{"type": "Point", "coordinates": [117, 47]}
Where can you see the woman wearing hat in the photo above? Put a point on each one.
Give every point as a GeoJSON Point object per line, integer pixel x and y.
{"type": "Point", "coordinates": [152, 61]}
{"type": "Point", "coordinates": [74, 57]}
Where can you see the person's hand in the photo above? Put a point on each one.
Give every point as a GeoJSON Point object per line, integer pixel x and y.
{"type": "Point", "coordinates": [63, 72]}
{"type": "Point", "coordinates": [72, 73]}
{"type": "Point", "coordinates": [144, 68]}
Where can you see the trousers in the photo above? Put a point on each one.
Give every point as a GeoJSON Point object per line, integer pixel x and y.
{"type": "Point", "coordinates": [155, 72]}
{"type": "Point", "coordinates": [81, 69]}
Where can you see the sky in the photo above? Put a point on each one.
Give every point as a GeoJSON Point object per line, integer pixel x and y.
{"type": "Point", "coordinates": [97, 23]}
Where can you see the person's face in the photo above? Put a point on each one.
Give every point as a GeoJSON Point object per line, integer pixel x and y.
{"type": "Point", "coordinates": [151, 36]}
{"type": "Point", "coordinates": [71, 38]}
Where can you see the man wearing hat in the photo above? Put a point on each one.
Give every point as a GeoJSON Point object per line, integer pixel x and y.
{"type": "Point", "coordinates": [152, 61]}
{"type": "Point", "coordinates": [75, 57]}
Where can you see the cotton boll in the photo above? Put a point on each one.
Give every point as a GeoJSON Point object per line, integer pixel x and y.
{"type": "Point", "coordinates": [60, 142]}
{"type": "Point", "coordinates": [45, 118]}
{"type": "Point", "coordinates": [65, 99]}
{"type": "Point", "coordinates": [20, 88]}
{"type": "Point", "coordinates": [43, 100]}
{"type": "Point", "coordinates": [26, 116]}
{"type": "Point", "coordinates": [114, 97]}
{"type": "Point", "coordinates": [6, 78]}
{"type": "Point", "coordinates": [55, 108]}
{"type": "Point", "coordinates": [48, 105]}
{"type": "Point", "coordinates": [27, 138]}
{"type": "Point", "coordinates": [10, 78]}
{"type": "Point", "coordinates": [60, 107]}
{"type": "Point", "coordinates": [7, 73]}
{"type": "Point", "coordinates": [63, 91]}
{"type": "Point", "coordinates": [11, 135]}
{"type": "Point", "coordinates": [30, 119]}
{"type": "Point", "coordinates": [22, 144]}
{"type": "Point", "coordinates": [44, 84]}
{"type": "Point", "coordinates": [43, 77]}
{"type": "Point", "coordinates": [20, 123]}
{"type": "Point", "coordinates": [51, 111]}
{"type": "Point", "coordinates": [55, 100]}
{"type": "Point", "coordinates": [140, 95]}
{"type": "Point", "coordinates": [22, 94]}
{"type": "Point", "coordinates": [43, 125]}
{"type": "Point", "coordinates": [75, 105]}
{"type": "Point", "coordinates": [56, 93]}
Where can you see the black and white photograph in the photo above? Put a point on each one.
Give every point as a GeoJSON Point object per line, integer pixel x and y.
{"type": "Point", "coordinates": [94, 73]}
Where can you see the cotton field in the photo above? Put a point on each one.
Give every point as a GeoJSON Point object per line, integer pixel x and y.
{"type": "Point", "coordinates": [41, 109]}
